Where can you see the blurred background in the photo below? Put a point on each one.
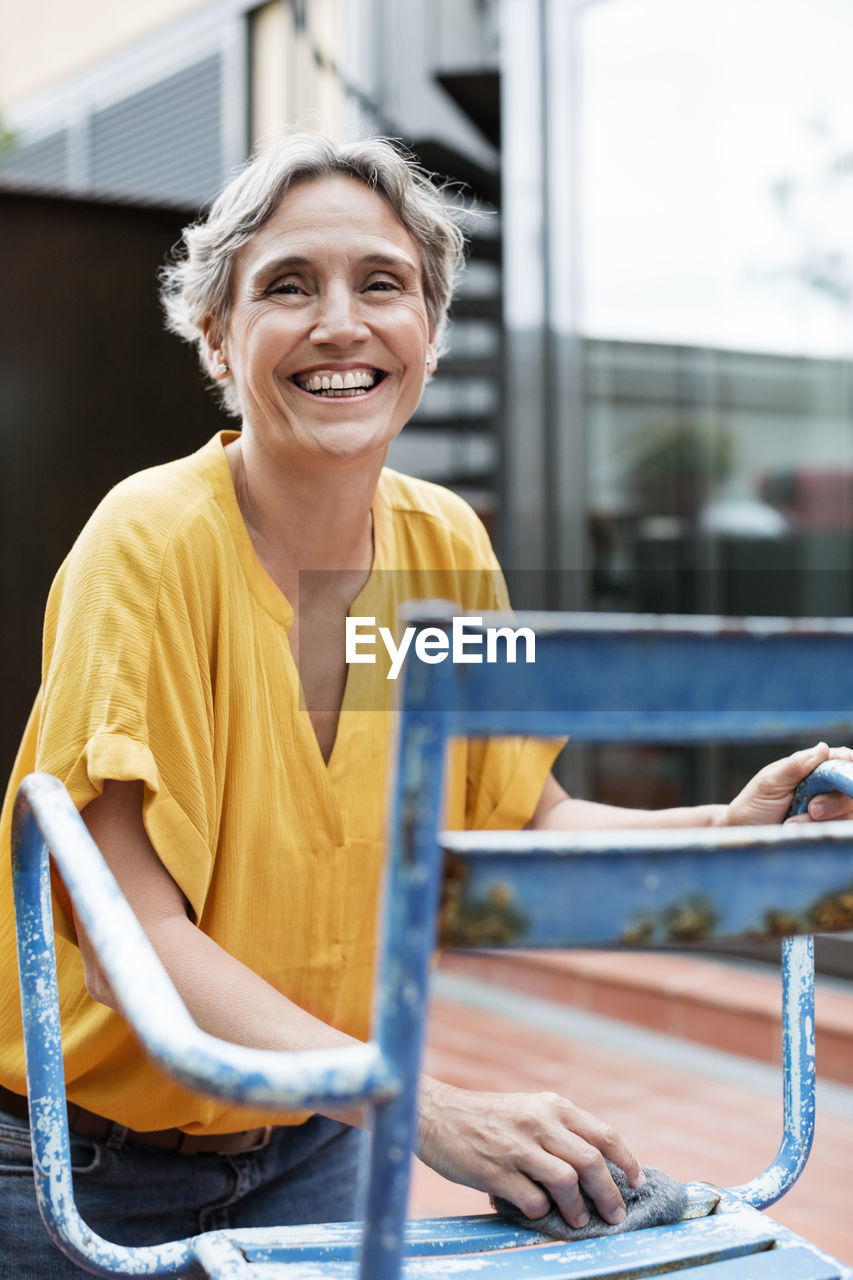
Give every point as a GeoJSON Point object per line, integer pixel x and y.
{"type": "Point", "coordinates": [649, 400]}
{"type": "Point", "coordinates": [649, 393]}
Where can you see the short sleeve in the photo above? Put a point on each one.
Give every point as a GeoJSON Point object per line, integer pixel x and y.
{"type": "Point", "coordinates": [127, 685]}
{"type": "Point", "coordinates": [505, 777]}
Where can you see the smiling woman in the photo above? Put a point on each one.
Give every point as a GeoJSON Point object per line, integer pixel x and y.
{"type": "Point", "coordinates": [327, 337]}
{"type": "Point", "coordinates": [218, 754]}
{"type": "Point", "coordinates": [199, 284]}
{"type": "Point", "coordinates": [196, 704]}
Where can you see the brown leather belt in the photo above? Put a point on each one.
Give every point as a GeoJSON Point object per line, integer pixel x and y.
{"type": "Point", "coordinates": [86, 1124]}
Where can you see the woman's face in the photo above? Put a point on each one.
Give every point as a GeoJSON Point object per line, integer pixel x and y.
{"type": "Point", "coordinates": [328, 335]}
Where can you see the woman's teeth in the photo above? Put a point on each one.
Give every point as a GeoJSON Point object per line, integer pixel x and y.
{"type": "Point", "coordinates": [354, 382]}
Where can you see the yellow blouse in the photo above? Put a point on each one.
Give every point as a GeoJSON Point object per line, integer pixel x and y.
{"type": "Point", "coordinates": [166, 659]}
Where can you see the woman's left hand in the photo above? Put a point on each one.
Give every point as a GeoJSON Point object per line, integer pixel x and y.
{"type": "Point", "coordinates": [529, 1148]}
{"type": "Point", "coordinates": [767, 797]}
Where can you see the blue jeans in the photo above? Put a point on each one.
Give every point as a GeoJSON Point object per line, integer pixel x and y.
{"type": "Point", "coordinates": [133, 1194]}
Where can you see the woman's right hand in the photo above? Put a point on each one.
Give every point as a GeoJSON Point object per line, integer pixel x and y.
{"type": "Point", "coordinates": [522, 1145]}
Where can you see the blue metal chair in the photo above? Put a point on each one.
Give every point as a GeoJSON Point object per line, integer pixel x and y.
{"type": "Point", "coordinates": [600, 679]}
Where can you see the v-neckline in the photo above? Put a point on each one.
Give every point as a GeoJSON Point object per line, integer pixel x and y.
{"type": "Point", "coordinates": [381, 562]}
{"type": "Point", "coordinates": [275, 603]}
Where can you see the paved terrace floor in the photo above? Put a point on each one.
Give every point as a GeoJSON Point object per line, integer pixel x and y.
{"type": "Point", "coordinates": [697, 1112]}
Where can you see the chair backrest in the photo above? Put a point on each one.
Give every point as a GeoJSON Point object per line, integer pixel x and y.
{"type": "Point", "coordinates": [636, 678]}
{"type": "Point", "coordinates": [606, 678]}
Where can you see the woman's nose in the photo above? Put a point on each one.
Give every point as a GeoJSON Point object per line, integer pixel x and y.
{"type": "Point", "coordinates": [338, 319]}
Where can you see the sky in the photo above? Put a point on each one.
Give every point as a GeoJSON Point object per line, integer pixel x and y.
{"type": "Point", "coordinates": [692, 115]}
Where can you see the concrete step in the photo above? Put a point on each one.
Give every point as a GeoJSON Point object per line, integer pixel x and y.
{"type": "Point", "coordinates": [728, 1005]}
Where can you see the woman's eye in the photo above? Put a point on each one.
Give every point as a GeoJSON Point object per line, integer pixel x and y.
{"type": "Point", "coordinates": [286, 287]}
{"type": "Point", "coordinates": [383, 286]}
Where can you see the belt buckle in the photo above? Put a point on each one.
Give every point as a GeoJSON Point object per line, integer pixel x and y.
{"type": "Point", "coordinates": [263, 1141]}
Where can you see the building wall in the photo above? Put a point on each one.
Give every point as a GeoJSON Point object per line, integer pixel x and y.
{"type": "Point", "coordinates": [162, 118]}
{"type": "Point", "coordinates": [165, 116]}
{"type": "Point", "coordinates": [45, 42]}
{"type": "Point", "coordinates": [289, 87]}
{"type": "Point", "coordinates": [92, 389]}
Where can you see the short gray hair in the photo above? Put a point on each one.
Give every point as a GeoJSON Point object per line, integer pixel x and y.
{"type": "Point", "coordinates": [197, 282]}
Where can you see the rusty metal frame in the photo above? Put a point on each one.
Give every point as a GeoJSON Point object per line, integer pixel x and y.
{"type": "Point", "coordinates": [732, 698]}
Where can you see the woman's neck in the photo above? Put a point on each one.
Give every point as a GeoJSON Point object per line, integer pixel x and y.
{"type": "Point", "coordinates": [300, 521]}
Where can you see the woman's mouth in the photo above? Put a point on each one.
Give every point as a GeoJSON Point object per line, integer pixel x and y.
{"type": "Point", "coordinates": [336, 384]}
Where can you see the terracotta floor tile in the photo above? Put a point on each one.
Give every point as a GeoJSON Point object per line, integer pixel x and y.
{"type": "Point", "coordinates": [736, 1008]}
{"type": "Point", "coordinates": [690, 1124]}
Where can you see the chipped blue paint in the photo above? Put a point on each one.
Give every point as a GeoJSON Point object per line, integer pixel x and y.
{"type": "Point", "coordinates": [45, 816]}
{"type": "Point", "coordinates": [405, 947]}
{"type": "Point", "coordinates": [832, 775]}
{"type": "Point", "coordinates": [623, 678]}
{"type": "Point", "coordinates": [644, 888]}
{"type": "Point", "coordinates": [642, 680]}
{"type": "Point", "coordinates": [148, 997]}
{"type": "Point", "coordinates": [798, 1027]}
{"type": "Point", "coordinates": [698, 679]}
{"type": "Point", "coordinates": [736, 1231]}
{"type": "Point", "coordinates": [798, 1077]}
{"type": "Point", "coordinates": [222, 1258]}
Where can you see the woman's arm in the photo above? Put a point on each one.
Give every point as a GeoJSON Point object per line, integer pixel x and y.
{"type": "Point", "coordinates": [765, 798]}
{"type": "Point", "coordinates": [225, 998]}
{"type": "Point", "coordinates": [512, 1145]}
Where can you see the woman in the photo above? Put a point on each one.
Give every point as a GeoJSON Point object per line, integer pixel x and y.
{"type": "Point", "coordinates": [195, 703]}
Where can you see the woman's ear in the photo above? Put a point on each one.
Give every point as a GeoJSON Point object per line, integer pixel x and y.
{"type": "Point", "coordinates": [214, 350]}
{"type": "Point", "coordinates": [431, 358]}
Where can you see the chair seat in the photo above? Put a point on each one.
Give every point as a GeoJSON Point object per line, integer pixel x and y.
{"type": "Point", "coordinates": [735, 1243]}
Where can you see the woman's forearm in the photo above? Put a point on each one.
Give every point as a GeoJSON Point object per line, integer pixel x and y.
{"type": "Point", "coordinates": [766, 798]}
{"type": "Point", "coordinates": [571, 814]}
{"type": "Point", "coordinates": [224, 996]}
{"type": "Point", "coordinates": [230, 1001]}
